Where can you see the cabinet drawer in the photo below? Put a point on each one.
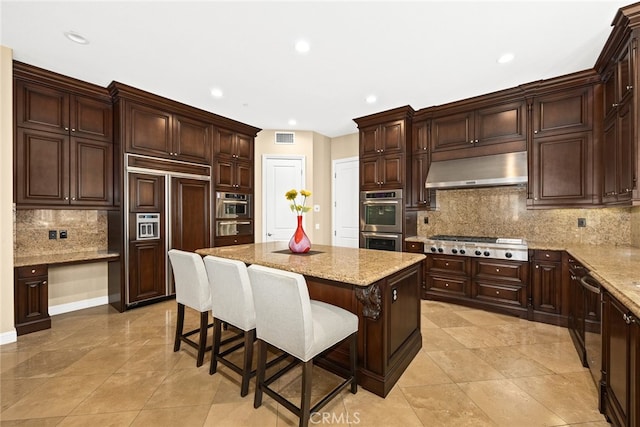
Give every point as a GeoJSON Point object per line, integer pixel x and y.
{"type": "Point", "coordinates": [417, 247]}
{"type": "Point", "coordinates": [456, 285]}
{"type": "Point", "coordinates": [448, 264]}
{"type": "Point", "coordinates": [541, 255]}
{"type": "Point", "coordinates": [31, 271]}
{"type": "Point", "coordinates": [499, 270]}
{"type": "Point", "coordinates": [500, 293]}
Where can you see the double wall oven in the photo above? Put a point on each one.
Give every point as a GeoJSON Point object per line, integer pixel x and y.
{"type": "Point", "coordinates": [381, 220]}
{"type": "Point", "coordinates": [233, 215]}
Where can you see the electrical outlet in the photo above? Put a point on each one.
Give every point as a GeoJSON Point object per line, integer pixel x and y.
{"type": "Point", "coordinates": [63, 234]}
{"type": "Point", "coordinates": [582, 222]}
{"type": "Point", "coordinates": [53, 234]}
{"type": "Point", "coordinates": [426, 220]}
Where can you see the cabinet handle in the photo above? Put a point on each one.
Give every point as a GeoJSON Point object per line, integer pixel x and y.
{"type": "Point", "coordinates": [535, 131]}
{"type": "Point", "coordinates": [614, 105]}
{"type": "Point", "coordinates": [537, 266]}
{"type": "Point", "coordinates": [425, 148]}
{"type": "Point", "coordinates": [497, 270]}
{"type": "Point", "coordinates": [446, 263]}
{"type": "Point", "coordinates": [33, 271]}
{"type": "Point", "coordinates": [73, 130]}
{"type": "Point", "coordinates": [33, 285]}
{"type": "Point", "coordinates": [66, 198]}
{"type": "Point", "coordinates": [446, 285]}
{"type": "Point", "coordinates": [627, 319]}
{"type": "Point", "coordinates": [629, 87]}
{"type": "Point", "coordinates": [497, 292]}
{"type": "Point", "coordinates": [476, 141]}
{"type": "Point", "coordinates": [44, 282]}
{"type": "Point", "coordinates": [546, 255]}
{"type": "Point", "coordinates": [471, 142]}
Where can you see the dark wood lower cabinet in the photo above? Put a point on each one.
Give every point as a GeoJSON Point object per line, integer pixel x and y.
{"type": "Point", "coordinates": [621, 345]}
{"type": "Point", "coordinates": [146, 270]}
{"type": "Point", "coordinates": [31, 299]}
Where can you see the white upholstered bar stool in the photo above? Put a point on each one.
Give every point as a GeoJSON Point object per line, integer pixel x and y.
{"type": "Point", "coordinates": [232, 303]}
{"type": "Point", "coordinates": [192, 290]}
{"type": "Point", "coordinates": [287, 319]}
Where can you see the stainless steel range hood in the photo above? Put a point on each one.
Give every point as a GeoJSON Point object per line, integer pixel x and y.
{"type": "Point", "coordinates": [485, 171]}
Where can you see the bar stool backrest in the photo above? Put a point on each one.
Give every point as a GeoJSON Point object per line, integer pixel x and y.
{"type": "Point", "coordinates": [283, 310]}
{"type": "Point", "coordinates": [192, 284]}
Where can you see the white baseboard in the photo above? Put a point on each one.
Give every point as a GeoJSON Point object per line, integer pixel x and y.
{"type": "Point", "coordinates": [8, 337]}
{"type": "Point", "coordinates": [77, 305]}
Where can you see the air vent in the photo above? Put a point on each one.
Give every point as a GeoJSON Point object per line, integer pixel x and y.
{"type": "Point", "coordinates": [285, 137]}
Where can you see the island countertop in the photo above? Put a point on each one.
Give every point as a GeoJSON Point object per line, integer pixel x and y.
{"type": "Point", "coordinates": [360, 267]}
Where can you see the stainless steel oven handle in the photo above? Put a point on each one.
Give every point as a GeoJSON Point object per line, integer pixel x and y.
{"type": "Point", "coordinates": [235, 202]}
{"type": "Point", "coordinates": [588, 286]}
{"type": "Point", "coordinates": [381, 202]}
{"type": "Point", "coordinates": [390, 236]}
{"type": "Point", "coordinates": [234, 222]}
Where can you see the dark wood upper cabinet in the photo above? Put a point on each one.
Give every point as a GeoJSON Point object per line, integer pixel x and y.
{"type": "Point", "coordinates": [233, 161]}
{"type": "Point", "coordinates": [55, 110]}
{"type": "Point", "coordinates": [148, 131]}
{"type": "Point", "coordinates": [233, 145]}
{"type": "Point", "coordinates": [497, 123]}
{"type": "Point", "coordinates": [563, 112]}
{"type": "Point", "coordinates": [192, 139]}
{"type": "Point", "coordinates": [63, 141]}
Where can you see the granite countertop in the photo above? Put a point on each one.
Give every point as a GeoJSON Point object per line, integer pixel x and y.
{"type": "Point", "coordinates": [360, 267]}
{"type": "Point", "coordinates": [617, 268]}
{"type": "Point", "coordinates": [65, 258]}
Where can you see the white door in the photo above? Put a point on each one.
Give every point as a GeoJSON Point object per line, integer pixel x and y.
{"type": "Point", "coordinates": [280, 174]}
{"type": "Point", "coordinates": [346, 193]}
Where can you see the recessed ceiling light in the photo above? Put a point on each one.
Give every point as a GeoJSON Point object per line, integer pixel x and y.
{"type": "Point", "coordinates": [292, 122]}
{"type": "Point", "coordinates": [216, 93]}
{"type": "Point", "coordinates": [75, 37]}
{"type": "Point", "coordinates": [302, 46]}
{"type": "Point", "coordinates": [371, 99]}
{"type": "Point", "coordinates": [507, 57]}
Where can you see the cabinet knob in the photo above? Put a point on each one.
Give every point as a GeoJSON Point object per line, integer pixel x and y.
{"type": "Point", "coordinates": [446, 263]}
{"type": "Point", "coordinates": [44, 282]}
{"type": "Point", "coordinates": [497, 270]}
{"type": "Point", "coordinates": [425, 148]}
{"type": "Point", "coordinates": [73, 130]}
{"type": "Point", "coordinates": [535, 131]}
{"type": "Point", "coordinates": [66, 128]}
{"type": "Point", "coordinates": [33, 271]}
{"type": "Point", "coordinates": [627, 318]}
{"type": "Point", "coordinates": [471, 142]}
{"type": "Point", "coordinates": [33, 285]}
{"type": "Point", "coordinates": [66, 198]}
{"type": "Point", "coordinates": [614, 105]}
{"type": "Point", "coordinates": [629, 87]}
{"type": "Point", "coordinates": [537, 266]}
{"type": "Point", "coordinates": [476, 141]}
{"type": "Point", "coordinates": [497, 292]}
{"type": "Point", "coordinates": [546, 255]}
{"type": "Point", "coordinates": [73, 198]}
{"type": "Point", "coordinates": [446, 285]}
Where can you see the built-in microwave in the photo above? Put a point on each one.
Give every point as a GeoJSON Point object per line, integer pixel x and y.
{"type": "Point", "coordinates": [381, 211]}
{"type": "Point", "coordinates": [233, 205]}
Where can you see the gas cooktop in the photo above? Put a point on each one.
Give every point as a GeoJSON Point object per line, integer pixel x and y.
{"type": "Point", "coordinates": [478, 246]}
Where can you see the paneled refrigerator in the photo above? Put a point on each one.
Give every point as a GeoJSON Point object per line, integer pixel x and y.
{"type": "Point", "coordinates": [166, 205]}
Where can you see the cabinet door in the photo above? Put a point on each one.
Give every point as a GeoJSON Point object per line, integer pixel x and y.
{"type": "Point", "coordinates": [191, 140]}
{"type": "Point", "coordinates": [625, 152]}
{"type": "Point", "coordinates": [41, 169]}
{"type": "Point", "coordinates": [562, 170]}
{"type": "Point", "coordinates": [369, 140]}
{"type": "Point", "coordinates": [31, 300]}
{"type": "Point", "coordinates": [563, 112]}
{"type": "Point", "coordinates": [191, 217]}
{"type": "Point", "coordinates": [452, 132]}
{"type": "Point", "coordinates": [233, 145]}
{"type": "Point", "coordinates": [392, 136]}
{"type": "Point", "coordinates": [244, 147]}
{"type": "Point", "coordinates": [146, 270]}
{"type": "Point", "coordinates": [617, 340]}
{"type": "Point", "coordinates": [420, 196]}
{"type": "Point", "coordinates": [244, 176]}
{"type": "Point", "coordinates": [610, 91]}
{"type": "Point", "coordinates": [609, 160]}
{"type": "Point", "coordinates": [91, 172]}
{"type": "Point", "coordinates": [393, 170]}
{"type": "Point", "coordinates": [91, 118]}
{"type": "Point", "coordinates": [41, 107]}
{"type": "Point", "coordinates": [146, 193]}
{"type": "Point", "coordinates": [420, 138]}
{"type": "Point", "coordinates": [500, 124]}
{"type": "Point", "coordinates": [547, 287]}
{"type": "Point", "coordinates": [369, 173]}
{"type": "Point", "coordinates": [148, 131]}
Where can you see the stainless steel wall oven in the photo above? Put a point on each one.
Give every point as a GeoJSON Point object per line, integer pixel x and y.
{"type": "Point", "coordinates": [381, 211]}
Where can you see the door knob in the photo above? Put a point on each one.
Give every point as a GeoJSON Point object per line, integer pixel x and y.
{"type": "Point", "coordinates": [269, 234]}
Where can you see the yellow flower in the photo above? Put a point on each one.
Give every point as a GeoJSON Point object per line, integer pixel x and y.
{"type": "Point", "coordinates": [295, 207]}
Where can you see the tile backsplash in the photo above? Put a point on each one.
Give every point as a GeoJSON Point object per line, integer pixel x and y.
{"type": "Point", "coordinates": [86, 231]}
{"type": "Point", "coordinates": [502, 212]}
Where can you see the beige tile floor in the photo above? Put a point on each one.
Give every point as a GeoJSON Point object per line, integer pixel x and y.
{"type": "Point", "coordinates": [97, 367]}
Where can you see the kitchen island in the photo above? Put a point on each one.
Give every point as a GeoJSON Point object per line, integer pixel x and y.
{"type": "Point", "coordinates": [382, 288]}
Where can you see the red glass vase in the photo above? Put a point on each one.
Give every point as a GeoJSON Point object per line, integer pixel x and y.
{"type": "Point", "coordinates": [299, 243]}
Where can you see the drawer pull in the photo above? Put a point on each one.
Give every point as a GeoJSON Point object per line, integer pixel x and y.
{"type": "Point", "coordinates": [547, 255]}
{"type": "Point", "coordinates": [497, 270]}
{"type": "Point", "coordinates": [34, 285]}
{"type": "Point", "coordinates": [446, 264]}
{"type": "Point", "coordinates": [497, 292]}
{"type": "Point", "coordinates": [33, 271]}
{"type": "Point", "coordinates": [446, 285]}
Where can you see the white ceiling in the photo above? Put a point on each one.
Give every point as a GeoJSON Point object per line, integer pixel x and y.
{"type": "Point", "coordinates": [420, 53]}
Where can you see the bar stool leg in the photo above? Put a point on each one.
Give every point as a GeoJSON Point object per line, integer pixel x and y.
{"type": "Point", "coordinates": [202, 344]}
{"type": "Point", "coordinates": [353, 356]}
{"type": "Point", "coordinates": [179, 327]}
{"type": "Point", "coordinates": [249, 338]}
{"type": "Point", "coordinates": [217, 333]}
{"type": "Point", "coordinates": [262, 362]}
{"type": "Point", "coordinates": [305, 404]}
